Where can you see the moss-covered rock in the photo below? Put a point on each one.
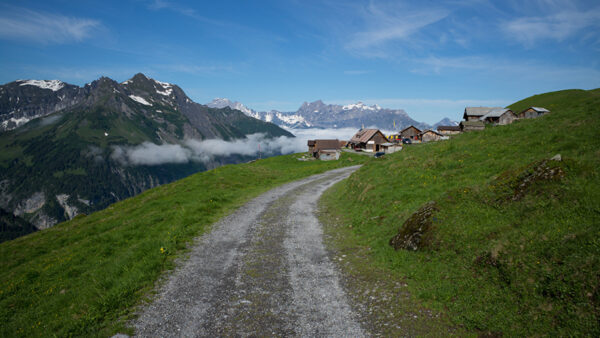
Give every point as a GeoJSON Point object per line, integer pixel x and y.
{"type": "Point", "coordinates": [411, 233]}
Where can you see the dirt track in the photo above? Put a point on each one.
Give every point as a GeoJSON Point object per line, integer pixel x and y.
{"type": "Point", "coordinates": [261, 271]}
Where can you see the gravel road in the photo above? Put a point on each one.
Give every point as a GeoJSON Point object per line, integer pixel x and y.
{"type": "Point", "coordinates": [261, 271]}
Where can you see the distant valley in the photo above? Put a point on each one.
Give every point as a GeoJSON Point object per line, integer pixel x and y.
{"type": "Point", "coordinates": [67, 150]}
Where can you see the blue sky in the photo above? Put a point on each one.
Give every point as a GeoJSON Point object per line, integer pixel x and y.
{"type": "Point", "coordinates": [431, 58]}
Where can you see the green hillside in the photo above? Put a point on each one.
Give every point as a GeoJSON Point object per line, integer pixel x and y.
{"type": "Point", "coordinates": [80, 277]}
{"type": "Point", "coordinates": [512, 246]}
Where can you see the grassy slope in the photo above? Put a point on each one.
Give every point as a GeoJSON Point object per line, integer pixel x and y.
{"type": "Point", "coordinates": [81, 277]}
{"type": "Point", "coordinates": [493, 265]}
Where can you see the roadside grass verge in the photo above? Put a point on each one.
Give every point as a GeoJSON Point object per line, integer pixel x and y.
{"type": "Point", "coordinates": [84, 277]}
{"type": "Point", "coordinates": [509, 252]}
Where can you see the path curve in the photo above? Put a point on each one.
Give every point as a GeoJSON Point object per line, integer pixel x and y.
{"type": "Point", "coordinates": [261, 271]}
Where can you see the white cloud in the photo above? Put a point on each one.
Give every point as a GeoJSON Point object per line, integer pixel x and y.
{"type": "Point", "coordinates": [149, 153]}
{"type": "Point", "coordinates": [19, 23]}
{"type": "Point", "coordinates": [559, 26]}
{"type": "Point", "coordinates": [204, 150]}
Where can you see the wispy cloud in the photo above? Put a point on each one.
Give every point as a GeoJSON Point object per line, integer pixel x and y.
{"type": "Point", "coordinates": [385, 23]}
{"type": "Point", "coordinates": [24, 24]}
{"type": "Point", "coordinates": [393, 24]}
{"type": "Point", "coordinates": [498, 68]}
{"type": "Point", "coordinates": [559, 26]}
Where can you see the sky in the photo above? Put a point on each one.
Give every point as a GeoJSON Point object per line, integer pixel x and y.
{"type": "Point", "coordinates": [430, 58]}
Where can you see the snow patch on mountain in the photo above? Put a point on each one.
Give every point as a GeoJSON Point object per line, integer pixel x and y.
{"type": "Point", "coordinates": [17, 122]}
{"type": "Point", "coordinates": [224, 102]}
{"type": "Point", "coordinates": [360, 105]}
{"type": "Point", "coordinates": [140, 100]}
{"type": "Point", "coordinates": [53, 85]}
{"type": "Point", "coordinates": [167, 88]}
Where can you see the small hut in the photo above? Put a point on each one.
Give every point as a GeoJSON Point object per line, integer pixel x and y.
{"type": "Point", "coordinates": [448, 130]}
{"type": "Point", "coordinates": [431, 135]}
{"type": "Point", "coordinates": [533, 112]}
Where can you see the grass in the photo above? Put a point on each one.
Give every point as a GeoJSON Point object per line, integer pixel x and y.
{"type": "Point", "coordinates": [85, 276]}
{"type": "Point", "coordinates": [493, 262]}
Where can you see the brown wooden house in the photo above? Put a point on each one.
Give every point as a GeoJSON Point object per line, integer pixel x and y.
{"type": "Point", "coordinates": [412, 133]}
{"type": "Point", "coordinates": [369, 140]}
{"type": "Point", "coordinates": [324, 149]}
{"type": "Point", "coordinates": [533, 112]}
{"type": "Point", "coordinates": [448, 130]}
{"type": "Point", "coordinates": [431, 135]}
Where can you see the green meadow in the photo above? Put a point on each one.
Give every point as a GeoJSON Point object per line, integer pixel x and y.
{"type": "Point", "coordinates": [85, 277]}
{"type": "Point", "coordinates": [513, 246]}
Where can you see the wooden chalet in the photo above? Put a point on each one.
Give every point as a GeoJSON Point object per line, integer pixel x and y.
{"type": "Point", "coordinates": [500, 116]}
{"type": "Point", "coordinates": [448, 130]}
{"type": "Point", "coordinates": [369, 140]}
{"type": "Point", "coordinates": [325, 149]}
{"type": "Point", "coordinates": [533, 112]}
{"type": "Point", "coordinates": [475, 113]}
{"type": "Point", "coordinates": [411, 132]}
{"type": "Point", "coordinates": [431, 135]}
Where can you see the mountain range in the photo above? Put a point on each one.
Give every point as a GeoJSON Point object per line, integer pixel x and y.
{"type": "Point", "coordinates": [318, 114]}
{"type": "Point", "coordinates": [67, 150]}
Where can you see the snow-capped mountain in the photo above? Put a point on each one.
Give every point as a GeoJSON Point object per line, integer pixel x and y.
{"type": "Point", "coordinates": [223, 102]}
{"type": "Point", "coordinates": [321, 115]}
{"type": "Point", "coordinates": [24, 100]}
{"type": "Point", "coordinates": [445, 122]}
{"type": "Point", "coordinates": [68, 149]}
{"type": "Point", "coordinates": [288, 120]}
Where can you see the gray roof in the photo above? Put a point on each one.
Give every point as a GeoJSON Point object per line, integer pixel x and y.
{"type": "Point", "coordinates": [496, 112]}
{"type": "Point", "coordinates": [479, 111]}
{"type": "Point", "coordinates": [540, 109]}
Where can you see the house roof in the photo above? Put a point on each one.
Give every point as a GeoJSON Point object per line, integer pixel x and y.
{"type": "Point", "coordinates": [407, 128]}
{"type": "Point", "coordinates": [478, 111]}
{"type": "Point", "coordinates": [497, 112]}
{"type": "Point", "coordinates": [540, 109]}
{"type": "Point", "coordinates": [433, 131]}
{"type": "Point", "coordinates": [311, 143]}
{"type": "Point", "coordinates": [449, 128]}
{"type": "Point", "coordinates": [364, 135]}
{"type": "Point", "coordinates": [327, 144]}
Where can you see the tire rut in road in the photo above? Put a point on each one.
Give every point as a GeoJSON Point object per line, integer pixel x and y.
{"type": "Point", "coordinates": [262, 271]}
